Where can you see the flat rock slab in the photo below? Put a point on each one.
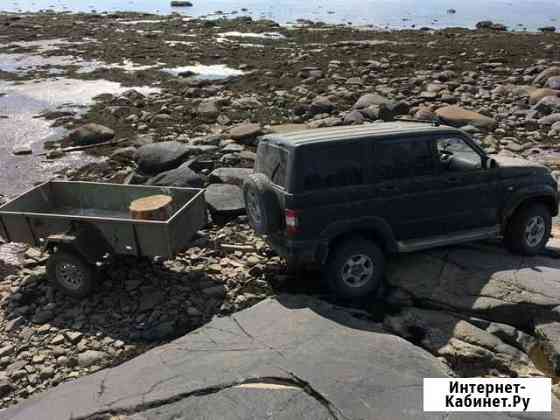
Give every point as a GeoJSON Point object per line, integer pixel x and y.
{"type": "Point", "coordinates": [292, 353]}
{"type": "Point", "coordinates": [486, 281]}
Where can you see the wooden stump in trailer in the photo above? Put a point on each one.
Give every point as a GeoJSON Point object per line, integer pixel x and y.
{"type": "Point", "coordinates": [154, 207]}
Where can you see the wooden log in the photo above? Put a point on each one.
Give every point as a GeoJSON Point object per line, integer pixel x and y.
{"type": "Point", "coordinates": [154, 207]}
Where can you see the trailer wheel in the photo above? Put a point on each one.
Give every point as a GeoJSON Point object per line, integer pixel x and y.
{"type": "Point", "coordinates": [70, 274]}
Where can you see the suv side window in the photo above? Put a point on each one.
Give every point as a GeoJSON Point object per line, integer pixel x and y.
{"type": "Point", "coordinates": [396, 159]}
{"type": "Point", "coordinates": [339, 165]}
{"type": "Point", "coordinates": [456, 155]}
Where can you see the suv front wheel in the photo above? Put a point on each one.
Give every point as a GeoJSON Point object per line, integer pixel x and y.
{"type": "Point", "coordinates": [529, 229]}
{"type": "Point", "coordinates": [355, 268]}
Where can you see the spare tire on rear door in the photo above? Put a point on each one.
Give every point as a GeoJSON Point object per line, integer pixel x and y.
{"type": "Point", "coordinates": [263, 208]}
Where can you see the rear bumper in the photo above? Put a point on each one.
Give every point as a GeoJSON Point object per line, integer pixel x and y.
{"type": "Point", "coordinates": [302, 251]}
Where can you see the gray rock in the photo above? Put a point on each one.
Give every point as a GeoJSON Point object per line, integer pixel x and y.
{"type": "Point", "coordinates": [543, 76]}
{"type": "Point", "coordinates": [90, 357]}
{"type": "Point", "coordinates": [234, 176]}
{"type": "Point", "coordinates": [321, 105]}
{"type": "Point", "coordinates": [548, 105]}
{"type": "Point", "coordinates": [158, 157]}
{"type": "Point", "coordinates": [247, 131]}
{"type": "Point", "coordinates": [208, 110]}
{"type": "Point", "coordinates": [22, 150]}
{"type": "Point", "coordinates": [553, 83]}
{"type": "Point", "coordinates": [161, 331]}
{"type": "Point", "coordinates": [7, 350]}
{"type": "Point", "coordinates": [90, 134]}
{"type": "Point", "coordinates": [183, 176]}
{"type": "Point", "coordinates": [354, 118]}
{"type": "Point", "coordinates": [124, 154]}
{"type": "Point", "coordinates": [5, 387]}
{"type": "Point", "coordinates": [218, 291]}
{"type": "Point", "coordinates": [224, 199]}
{"type": "Point", "coordinates": [370, 99]}
{"type": "Point", "coordinates": [550, 119]}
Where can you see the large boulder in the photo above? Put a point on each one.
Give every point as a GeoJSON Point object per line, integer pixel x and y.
{"type": "Point", "coordinates": [458, 117]}
{"type": "Point", "coordinates": [487, 282]}
{"type": "Point", "coordinates": [543, 76]}
{"type": "Point", "coordinates": [536, 95]}
{"type": "Point", "coordinates": [90, 134]}
{"type": "Point", "coordinates": [158, 157]}
{"type": "Point", "coordinates": [183, 176]}
{"type": "Point", "coordinates": [224, 200]}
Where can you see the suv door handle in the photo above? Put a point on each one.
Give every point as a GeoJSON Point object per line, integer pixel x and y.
{"type": "Point", "coordinates": [388, 188]}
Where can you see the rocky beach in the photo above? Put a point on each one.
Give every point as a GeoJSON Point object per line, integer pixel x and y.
{"type": "Point", "coordinates": [182, 101]}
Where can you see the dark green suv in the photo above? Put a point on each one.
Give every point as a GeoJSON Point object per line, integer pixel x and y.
{"type": "Point", "coordinates": [346, 197]}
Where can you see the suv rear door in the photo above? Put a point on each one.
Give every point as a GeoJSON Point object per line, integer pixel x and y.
{"type": "Point", "coordinates": [330, 185]}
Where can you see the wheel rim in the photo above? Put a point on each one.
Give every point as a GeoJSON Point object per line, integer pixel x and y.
{"type": "Point", "coordinates": [534, 231]}
{"type": "Point", "coordinates": [357, 270]}
{"type": "Point", "coordinates": [253, 206]}
{"type": "Point", "coordinates": [70, 275]}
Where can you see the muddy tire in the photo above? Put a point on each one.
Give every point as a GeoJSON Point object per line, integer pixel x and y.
{"type": "Point", "coordinates": [70, 274]}
{"type": "Point", "coordinates": [355, 269]}
{"type": "Point", "coordinates": [263, 210]}
{"type": "Point", "coordinates": [528, 231]}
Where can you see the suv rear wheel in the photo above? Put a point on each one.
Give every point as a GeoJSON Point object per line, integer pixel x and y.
{"type": "Point", "coordinates": [529, 229]}
{"type": "Point", "coordinates": [355, 269]}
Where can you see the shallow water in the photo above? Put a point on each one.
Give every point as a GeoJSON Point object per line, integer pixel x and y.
{"type": "Point", "coordinates": [21, 126]}
{"type": "Point", "coordinates": [392, 13]}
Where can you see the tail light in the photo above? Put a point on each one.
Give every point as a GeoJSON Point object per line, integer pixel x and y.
{"type": "Point", "coordinates": [291, 222]}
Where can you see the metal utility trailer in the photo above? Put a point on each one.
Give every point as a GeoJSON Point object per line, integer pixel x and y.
{"type": "Point", "coordinates": [84, 224]}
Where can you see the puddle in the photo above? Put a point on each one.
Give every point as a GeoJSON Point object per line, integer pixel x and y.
{"type": "Point", "coordinates": [21, 103]}
{"type": "Point", "coordinates": [175, 43]}
{"type": "Point", "coordinates": [25, 63]}
{"type": "Point", "coordinates": [140, 22]}
{"type": "Point", "coordinates": [263, 35]}
{"type": "Point", "coordinates": [202, 72]}
{"type": "Point", "coordinates": [45, 45]}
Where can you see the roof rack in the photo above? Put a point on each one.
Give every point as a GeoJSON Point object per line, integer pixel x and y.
{"type": "Point", "coordinates": [435, 121]}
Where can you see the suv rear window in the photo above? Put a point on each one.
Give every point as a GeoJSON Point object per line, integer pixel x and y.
{"type": "Point", "coordinates": [339, 165]}
{"type": "Point", "coordinates": [273, 162]}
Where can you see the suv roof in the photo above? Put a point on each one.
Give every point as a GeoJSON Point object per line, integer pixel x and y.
{"type": "Point", "coordinates": [320, 135]}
